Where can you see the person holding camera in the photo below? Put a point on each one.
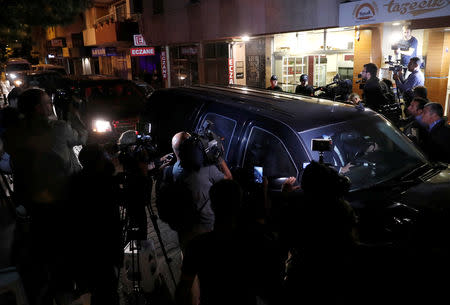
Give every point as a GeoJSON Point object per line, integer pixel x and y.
{"type": "Point", "coordinates": [415, 78]}
{"type": "Point", "coordinates": [407, 47]}
{"type": "Point", "coordinates": [42, 160]}
{"type": "Point", "coordinates": [303, 88]}
{"type": "Point", "coordinates": [192, 175]}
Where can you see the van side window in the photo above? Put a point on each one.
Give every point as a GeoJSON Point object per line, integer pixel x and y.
{"type": "Point", "coordinates": [266, 150]}
{"type": "Point", "coordinates": [221, 126]}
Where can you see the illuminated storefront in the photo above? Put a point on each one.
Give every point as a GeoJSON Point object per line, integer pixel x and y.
{"type": "Point", "coordinates": [379, 29]}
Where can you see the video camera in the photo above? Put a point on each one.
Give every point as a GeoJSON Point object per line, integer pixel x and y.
{"type": "Point", "coordinates": [402, 45]}
{"type": "Point", "coordinates": [210, 143]}
{"type": "Point", "coordinates": [137, 148]}
{"type": "Point", "coordinates": [338, 90]}
{"type": "Point", "coordinates": [394, 66]}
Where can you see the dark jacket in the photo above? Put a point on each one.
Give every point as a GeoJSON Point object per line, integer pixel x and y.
{"type": "Point", "coordinates": [416, 132]}
{"type": "Point", "coordinates": [437, 145]}
{"type": "Point", "coordinates": [276, 88]}
{"type": "Point", "coordinates": [304, 90]}
{"type": "Point", "coordinates": [373, 93]}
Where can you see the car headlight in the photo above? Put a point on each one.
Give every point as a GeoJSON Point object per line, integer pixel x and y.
{"type": "Point", "coordinates": [101, 126]}
{"type": "Point", "coordinates": [18, 83]}
{"type": "Point", "coordinates": [13, 76]}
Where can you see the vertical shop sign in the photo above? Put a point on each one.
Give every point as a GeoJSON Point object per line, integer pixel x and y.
{"type": "Point", "coordinates": [164, 64]}
{"type": "Point", "coordinates": [230, 71]}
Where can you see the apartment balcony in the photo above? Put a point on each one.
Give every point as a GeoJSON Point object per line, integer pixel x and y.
{"type": "Point", "coordinates": [111, 29]}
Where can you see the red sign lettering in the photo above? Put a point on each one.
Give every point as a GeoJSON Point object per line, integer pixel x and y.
{"type": "Point", "coordinates": [230, 71]}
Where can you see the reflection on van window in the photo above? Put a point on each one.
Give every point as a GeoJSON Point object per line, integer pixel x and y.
{"type": "Point", "coordinates": [223, 127]}
{"type": "Point", "coordinates": [266, 150]}
{"type": "Point", "coordinates": [368, 151]}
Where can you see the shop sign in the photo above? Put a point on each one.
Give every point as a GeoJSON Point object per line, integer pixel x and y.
{"type": "Point", "coordinates": [230, 71]}
{"type": "Point", "coordinates": [56, 43]}
{"type": "Point", "coordinates": [239, 69]}
{"type": "Point", "coordinates": [142, 51]}
{"type": "Point", "coordinates": [377, 11]}
{"type": "Point", "coordinates": [189, 50]}
{"type": "Point", "coordinates": [66, 52]}
{"type": "Point", "coordinates": [96, 52]}
{"type": "Point", "coordinates": [110, 51]}
{"type": "Point", "coordinates": [139, 40]}
{"type": "Point", "coordinates": [164, 64]}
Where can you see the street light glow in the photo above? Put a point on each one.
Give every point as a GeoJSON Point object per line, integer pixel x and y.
{"type": "Point", "coordinates": [245, 38]}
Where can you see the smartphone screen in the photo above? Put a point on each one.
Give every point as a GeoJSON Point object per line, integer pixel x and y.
{"type": "Point", "coordinates": [258, 174]}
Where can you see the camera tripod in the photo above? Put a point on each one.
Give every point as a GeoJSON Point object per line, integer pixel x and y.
{"type": "Point", "coordinates": [134, 234]}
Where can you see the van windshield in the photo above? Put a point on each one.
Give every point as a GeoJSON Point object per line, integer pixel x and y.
{"type": "Point", "coordinates": [121, 98]}
{"type": "Point", "coordinates": [17, 67]}
{"type": "Point", "coordinates": [368, 151]}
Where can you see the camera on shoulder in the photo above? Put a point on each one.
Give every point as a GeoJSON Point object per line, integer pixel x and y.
{"type": "Point", "coordinates": [210, 143]}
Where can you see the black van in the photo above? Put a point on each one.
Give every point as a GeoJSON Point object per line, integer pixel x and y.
{"type": "Point", "coordinates": [391, 179]}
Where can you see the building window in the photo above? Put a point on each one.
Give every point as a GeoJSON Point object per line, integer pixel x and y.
{"type": "Point", "coordinates": [158, 7]}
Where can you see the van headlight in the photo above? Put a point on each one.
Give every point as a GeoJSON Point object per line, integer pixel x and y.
{"type": "Point", "coordinates": [13, 75]}
{"type": "Point", "coordinates": [18, 83]}
{"type": "Point", "coordinates": [101, 126]}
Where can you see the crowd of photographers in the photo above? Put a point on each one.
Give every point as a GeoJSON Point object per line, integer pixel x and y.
{"type": "Point", "coordinates": [240, 245]}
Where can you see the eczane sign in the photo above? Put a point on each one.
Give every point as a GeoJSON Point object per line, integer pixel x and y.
{"type": "Point", "coordinates": [148, 51]}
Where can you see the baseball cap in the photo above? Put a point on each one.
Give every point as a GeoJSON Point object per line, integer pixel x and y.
{"type": "Point", "coordinates": [274, 77]}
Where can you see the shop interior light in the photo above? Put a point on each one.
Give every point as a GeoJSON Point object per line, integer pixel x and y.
{"type": "Point", "coordinates": [396, 23]}
{"type": "Point", "coordinates": [245, 38]}
{"type": "Point", "coordinates": [395, 37]}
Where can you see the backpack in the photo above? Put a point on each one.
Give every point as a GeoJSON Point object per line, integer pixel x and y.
{"type": "Point", "coordinates": [174, 203]}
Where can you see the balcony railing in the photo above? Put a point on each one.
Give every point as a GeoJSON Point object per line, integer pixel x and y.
{"type": "Point", "coordinates": [117, 18]}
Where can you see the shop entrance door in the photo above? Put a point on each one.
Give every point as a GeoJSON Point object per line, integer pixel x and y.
{"type": "Point", "coordinates": [255, 63]}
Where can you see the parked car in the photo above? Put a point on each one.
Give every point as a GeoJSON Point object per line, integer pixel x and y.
{"type": "Point", "coordinates": [50, 81]}
{"type": "Point", "coordinates": [47, 67]}
{"type": "Point", "coordinates": [15, 65]}
{"type": "Point", "coordinates": [392, 180]}
{"type": "Point", "coordinates": [108, 105]}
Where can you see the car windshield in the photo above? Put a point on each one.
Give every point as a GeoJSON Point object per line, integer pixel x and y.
{"type": "Point", "coordinates": [116, 97]}
{"type": "Point", "coordinates": [17, 67]}
{"type": "Point", "coordinates": [368, 151]}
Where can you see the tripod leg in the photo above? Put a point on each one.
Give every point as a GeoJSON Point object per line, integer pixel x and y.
{"type": "Point", "coordinates": [154, 219]}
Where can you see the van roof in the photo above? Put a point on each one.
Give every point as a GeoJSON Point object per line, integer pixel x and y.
{"type": "Point", "coordinates": [299, 112]}
{"type": "Point", "coordinates": [17, 60]}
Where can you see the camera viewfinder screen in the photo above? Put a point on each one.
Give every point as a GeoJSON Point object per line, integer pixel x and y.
{"type": "Point", "coordinates": [258, 174]}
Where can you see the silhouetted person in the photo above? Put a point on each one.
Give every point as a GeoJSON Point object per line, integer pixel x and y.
{"type": "Point", "coordinates": [325, 238]}
{"type": "Point", "coordinates": [96, 250]}
{"type": "Point", "coordinates": [224, 260]}
{"type": "Point", "coordinates": [41, 150]}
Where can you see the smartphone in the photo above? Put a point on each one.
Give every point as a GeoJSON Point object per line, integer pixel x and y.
{"type": "Point", "coordinates": [258, 174]}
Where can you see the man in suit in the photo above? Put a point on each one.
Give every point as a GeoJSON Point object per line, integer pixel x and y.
{"type": "Point", "coordinates": [415, 129]}
{"type": "Point", "coordinates": [437, 144]}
